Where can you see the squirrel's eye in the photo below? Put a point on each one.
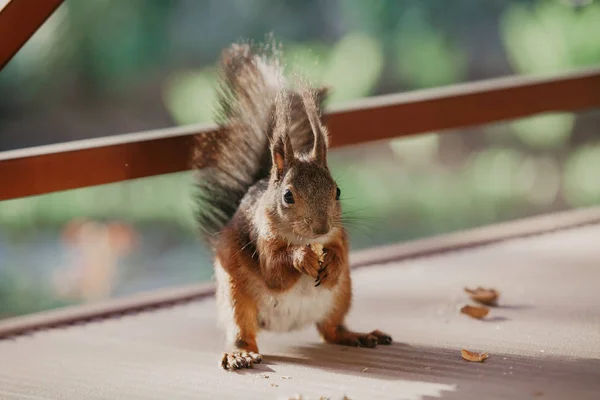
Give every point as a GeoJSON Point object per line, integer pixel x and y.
{"type": "Point", "coordinates": [338, 192]}
{"type": "Point", "coordinates": [288, 197]}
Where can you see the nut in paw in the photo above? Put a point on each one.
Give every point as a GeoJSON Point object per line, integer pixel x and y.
{"type": "Point", "coordinates": [239, 360]}
{"type": "Point", "coordinates": [306, 261]}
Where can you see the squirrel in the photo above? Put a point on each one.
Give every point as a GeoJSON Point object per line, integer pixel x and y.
{"type": "Point", "coordinates": [270, 210]}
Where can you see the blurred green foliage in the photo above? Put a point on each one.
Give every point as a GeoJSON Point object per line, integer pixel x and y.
{"type": "Point", "coordinates": [549, 37]}
{"type": "Point", "coordinates": [21, 294]}
{"type": "Point", "coordinates": [165, 198]}
{"type": "Point", "coordinates": [190, 96]}
{"type": "Point", "coordinates": [425, 56]}
{"type": "Point", "coordinates": [581, 176]}
{"type": "Point", "coordinates": [361, 51]}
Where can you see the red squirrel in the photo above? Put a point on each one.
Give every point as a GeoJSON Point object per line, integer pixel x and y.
{"type": "Point", "coordinates": [267, 205]}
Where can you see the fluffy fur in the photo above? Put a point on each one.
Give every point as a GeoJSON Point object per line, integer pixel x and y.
{"type": "Point", "coordinates": [228, 162]}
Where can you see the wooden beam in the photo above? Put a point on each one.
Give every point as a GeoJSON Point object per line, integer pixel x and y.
{"type": "Point", "coordinates": [99, 161]}
{"type": "Point", "coordinates": [463, 105]}
{"type": "Point", "coordinates": [19, 20]}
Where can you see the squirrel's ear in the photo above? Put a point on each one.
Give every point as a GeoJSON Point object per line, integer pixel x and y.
{"type": "Point", "coordinates": [313, 112]}
{"type": "Point", "coordinates": [319, 150]}
{"type": "Point", "coordinates": [282, 153]}
{"type": "Point", "coordinates": [281, 145]}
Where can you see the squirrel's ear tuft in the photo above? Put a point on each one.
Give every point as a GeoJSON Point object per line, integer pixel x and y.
{"type": "Point", "coordinates": [281, 147]}
{"type": "Point", "coordinates": [282, 153]}
{"type": "Point", "coordinates": [311, 99]}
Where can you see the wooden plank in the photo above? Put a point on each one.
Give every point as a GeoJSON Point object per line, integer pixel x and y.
{"type": "Point", "coordinates": [395, 253]}
{"type": "Point", "coordinates": [477, 237]}
{"type": "Point", "coordinates": [104, 309]}
{"type": "Point", "coordinates": [94, 162]}
{"type": "Point", "coordinates": [19, 20]}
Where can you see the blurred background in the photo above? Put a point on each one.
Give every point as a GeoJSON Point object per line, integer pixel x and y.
{"type": "Point", "coordinates": [109, 67]}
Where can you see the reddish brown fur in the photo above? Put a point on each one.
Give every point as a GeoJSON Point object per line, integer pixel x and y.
{"type": "Point", "coordinates": [269, 267]}
{"type": "Point", "coordinates": [256, 266]}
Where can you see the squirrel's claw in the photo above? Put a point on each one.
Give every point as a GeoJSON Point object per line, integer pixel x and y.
{"type": "Point", "coordinates": [320, 278]}
{"type": "Point", "coordinates": [239, 360]}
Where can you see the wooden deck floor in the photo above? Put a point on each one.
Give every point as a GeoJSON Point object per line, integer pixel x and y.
{"type": "Point", "coordinates": [544, 339]}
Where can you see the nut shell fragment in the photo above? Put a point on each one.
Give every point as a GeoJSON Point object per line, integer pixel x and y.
{"type": "Point", "coordinates": [318, 249]}
{"type": "Point", "coordinates": [475, 312]}
{"type": "Point", "coordinates": [489, 297]}
{"type": "Point", "coordinates": [473, 357]}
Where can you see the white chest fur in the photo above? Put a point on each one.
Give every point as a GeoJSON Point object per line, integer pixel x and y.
{"type": "Point", "coordinates": [304, 304]}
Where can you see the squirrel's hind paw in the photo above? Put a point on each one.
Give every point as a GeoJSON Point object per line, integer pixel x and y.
{"type": "Point", "coordinates": [369, 340]}
{"type": "Point", "coordinates": [239, 360]}
{"type": "Point", "coordinates": [382, 338]}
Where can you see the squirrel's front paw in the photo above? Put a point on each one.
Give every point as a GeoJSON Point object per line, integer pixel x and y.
{"type": "Point", "coordinates": [239, 360]}
{"type": "Point", "coordinates": [330, 268]}
{"type": "Point", "coordinates": [306, 261]}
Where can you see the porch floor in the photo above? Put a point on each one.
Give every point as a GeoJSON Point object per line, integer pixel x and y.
{"type": "Point", "coordinates": [543, 339]}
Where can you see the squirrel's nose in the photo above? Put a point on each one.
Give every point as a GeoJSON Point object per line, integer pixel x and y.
{"type": "Point", "coordinates": [321, 228]}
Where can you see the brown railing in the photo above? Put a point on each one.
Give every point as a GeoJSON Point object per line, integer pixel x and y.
{"type": "Point", "coordinates": [72, 165]}
{"type": "Point", "coordinates": [19, 19]}
{"type": "Point", "coordinates": [99, 161]}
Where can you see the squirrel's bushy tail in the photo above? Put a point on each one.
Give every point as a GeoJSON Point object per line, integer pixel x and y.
{"type": "Point", "coordinates": [228, 162]}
